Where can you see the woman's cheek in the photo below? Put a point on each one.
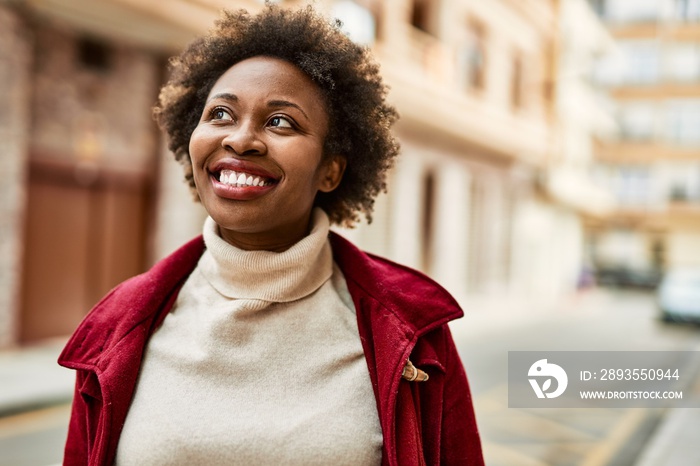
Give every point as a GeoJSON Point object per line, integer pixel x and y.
{"type": "Point", "coordinates": [202, 137]}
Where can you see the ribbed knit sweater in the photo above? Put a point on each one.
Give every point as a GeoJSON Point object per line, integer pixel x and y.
{"type": "Point", "coordinates": [258, 363]}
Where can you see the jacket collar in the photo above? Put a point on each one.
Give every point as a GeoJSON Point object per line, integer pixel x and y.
{"type": "Point", "coordinates": [416, 302]}
{"type": "Point", "coordinates": [415, 299]}
{"type": "Point", "coordinates": [133, 304]}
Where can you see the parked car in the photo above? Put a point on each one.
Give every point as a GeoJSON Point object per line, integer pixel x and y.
{"type": "Point", "coordinates": [678, 296]}
{"type": "Point", "coordinates": [627, 277]}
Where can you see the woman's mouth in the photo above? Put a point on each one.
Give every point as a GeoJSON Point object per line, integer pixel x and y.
{"type": "Point", "coordinates": [240, 185]}
{"type": "Point", "coordinates": [241, 179]}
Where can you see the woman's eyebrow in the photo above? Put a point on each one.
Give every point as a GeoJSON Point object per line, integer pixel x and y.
{"type": "Point", "coordinates": [286, 103]}
{"type": "Point", "coordinates": [224, 96]}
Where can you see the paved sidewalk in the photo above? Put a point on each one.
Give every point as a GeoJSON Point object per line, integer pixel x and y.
{"type": "Point", "coordinates": [31, 378]}
{"type": "Point", "coordinates": [675, 440]}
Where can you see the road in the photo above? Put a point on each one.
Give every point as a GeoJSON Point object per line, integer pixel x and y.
{"type": "Point", "coordinates": [34, 438]}
{"type": "Point", "coordinates": [598, 321]}
{"type": "Point", "coordinates": [512, 437]}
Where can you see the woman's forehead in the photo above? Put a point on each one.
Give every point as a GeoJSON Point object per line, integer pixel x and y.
{"type": "Point", "coordinates": [265, 74]}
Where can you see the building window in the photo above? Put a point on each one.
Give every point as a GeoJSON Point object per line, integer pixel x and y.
{"type": "Point", "coordinates": [642, 61]}
{"type": "Point", "coordinates": [679, 193]}
{"type": "Point", "coordinates": [94, 55]}
{"type": "Point", "coordinates": [428, 220]}
{"type": "Point", "coordinates": [517, 82]}
{"type": "Point", "coordinates": [424, 15]}
{"type": "Point", "coordinates": [637, 11]}
{"type": "Point", "coordinates": [599, 7]}
{"type": "Point", "coordinates": [472, 56]}
{"type": "Point", "coordinates": [683, 121]}
{"type": "Point", "coordinates": [682, 62]}
{"type": "Point", "coordinates": [637, 121]}
{"type": "Point", "coordinates": [610, 69]}
{"type": "Point", "coordinates": [359, 22]}
{"type": "Point", "coordinates": [688, 10]}
{"type": "Point", "coordinates": [633, 186]}
{"type": "Point", "coordinates": [658, 253]}
{"type": "Point", "coordinates": [683, 182]}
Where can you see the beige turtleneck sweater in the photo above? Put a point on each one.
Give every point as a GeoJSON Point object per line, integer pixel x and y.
{"type": "Point", "coordinates": [258, 363]}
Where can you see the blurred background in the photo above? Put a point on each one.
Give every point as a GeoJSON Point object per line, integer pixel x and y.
{"type": "Point", "coordinates": [549, 179]}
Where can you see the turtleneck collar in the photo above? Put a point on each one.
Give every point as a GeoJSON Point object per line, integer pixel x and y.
{"type": "Point", "coordinates": [271, 276]}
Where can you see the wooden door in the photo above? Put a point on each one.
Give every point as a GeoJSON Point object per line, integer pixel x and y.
{"type": "Point", "coordinates": [82, 237]}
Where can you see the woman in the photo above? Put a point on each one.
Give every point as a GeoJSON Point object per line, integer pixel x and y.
{"type": "Point", "coordinates": [270, 340]}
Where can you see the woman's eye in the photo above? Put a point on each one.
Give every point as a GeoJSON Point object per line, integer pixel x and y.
{"type": "Point", "coordinates": [280, 122]}
{"type": "Point", "coordinates": [221, 114]}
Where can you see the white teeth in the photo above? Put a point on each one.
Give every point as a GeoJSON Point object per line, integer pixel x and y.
{"type": "Point", "coordinates": [232, 178]}
{"type": "Point", "coordinates": [228, 176]}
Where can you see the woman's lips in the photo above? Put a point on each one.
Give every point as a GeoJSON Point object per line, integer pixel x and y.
{"type": "Point", "coordinates": [242, 166]}
{"type": "Point", "coordinates": [240, 179]}
{"type": "Point", "coordinates": [243, 192]}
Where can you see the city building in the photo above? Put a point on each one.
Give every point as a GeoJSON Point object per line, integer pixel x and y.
{"type": "Point", "coordinates": [486, 198]}
{"type": "Point", "coordinates": [652, 163]}
{"type": "Point", "coordinates": [498, 115]}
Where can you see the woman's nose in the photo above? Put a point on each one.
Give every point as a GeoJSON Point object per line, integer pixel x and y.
{"type": "Point", "coordinates": [243, 139]}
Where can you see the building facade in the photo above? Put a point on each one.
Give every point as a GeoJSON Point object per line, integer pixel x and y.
{"type": "Point", "coordinates": [482, 197]}
{"type": "Point", "coordinates": [652, 163]}
{"type": "Point", "coordinates": [493, 184]}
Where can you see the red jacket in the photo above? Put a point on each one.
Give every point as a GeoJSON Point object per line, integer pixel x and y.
{"type": "Point", "coordinates": [400, 313]}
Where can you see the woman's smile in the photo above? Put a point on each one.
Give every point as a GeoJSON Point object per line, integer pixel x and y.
{"type": "Point", "coordinates": [240, 180]}
{"type": "Point", "coordinates": [257, 153]}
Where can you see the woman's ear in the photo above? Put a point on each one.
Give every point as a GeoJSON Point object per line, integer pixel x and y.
{"type": "Point", "coordinates": [332, 173]}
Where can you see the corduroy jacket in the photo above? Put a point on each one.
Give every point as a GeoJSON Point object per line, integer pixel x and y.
{"type": "Point", "coordinates": [400, 313]}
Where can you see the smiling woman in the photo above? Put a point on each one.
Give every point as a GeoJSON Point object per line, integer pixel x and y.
{"type": "Point", "coordinates": [269, 339]}
{"type": "Point", "coordinates": [264, 119]}
{"type": "Point", "coordinates": [344, 76]}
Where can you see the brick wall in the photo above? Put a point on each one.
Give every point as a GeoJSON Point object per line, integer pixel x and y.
{"type": "Point", "coordinates": [65, 100]}
{"type": "Point", "coordinates": [92, 101]}
{"type": "Point", "coordinates": [15, 58]}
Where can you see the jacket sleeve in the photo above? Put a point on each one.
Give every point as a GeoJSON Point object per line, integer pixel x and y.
{"type": "Point", "coordinates": [76, 450]}
{"type": "Point", "coordinates": [460, 442]}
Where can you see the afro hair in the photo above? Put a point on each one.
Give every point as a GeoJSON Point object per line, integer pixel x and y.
{"type": "Point", "coordinates": [359, 118]}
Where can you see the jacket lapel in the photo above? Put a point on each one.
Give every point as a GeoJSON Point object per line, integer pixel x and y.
{"type": "Point", "coordinates": [109, 344]}
{"type": "Point", "coordinates": [395, 306]}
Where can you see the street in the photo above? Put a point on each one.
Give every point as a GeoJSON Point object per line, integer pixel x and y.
{"type": "Point", "coordinates": [599, 320]}
{"type": "Point", "coordinates": [34, 438]}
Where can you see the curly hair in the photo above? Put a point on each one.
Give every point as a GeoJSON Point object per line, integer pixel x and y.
{"type": "Point", "coordinates": [359, 118]}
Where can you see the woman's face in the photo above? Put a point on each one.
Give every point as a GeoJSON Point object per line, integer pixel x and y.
{"type": "Point", "coordinates": [257, 153]}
